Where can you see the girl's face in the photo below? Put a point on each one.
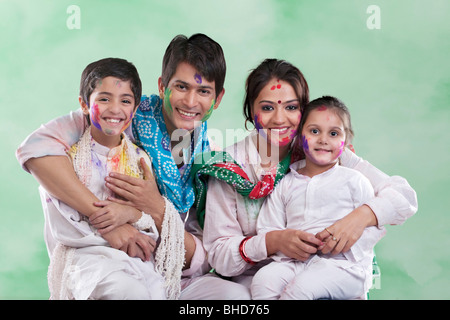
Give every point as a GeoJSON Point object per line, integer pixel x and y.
{"type": "Point", "coordinates": [323, 137]}
{"type": "Point", "coordinates": [276, 111]}
{"type": "Point", "coordinates": [111, 109]}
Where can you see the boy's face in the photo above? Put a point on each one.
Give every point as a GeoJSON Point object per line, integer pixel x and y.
{"type": "Point", "coordinates": [189, 99]}
{"type": "Point", "coordinates": [111, 107]}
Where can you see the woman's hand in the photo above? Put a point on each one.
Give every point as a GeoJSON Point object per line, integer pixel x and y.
{"type": "Point", "coordinates": [342, 235]}
{"type": "Point", "coordinates": [295, 244]}
{"type": "Point", "coordinates": [142, 194]}
{"type": "Point", "coordinates": [111, 215]}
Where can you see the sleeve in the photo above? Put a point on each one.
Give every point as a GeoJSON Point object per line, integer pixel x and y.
{"type": "Point", "coordinates": [199, 263]}
{"type": "Point", "coordinates": [53, 138]}
{"type": "Point", "coordinates": [223, 233]}
{"type": "Point", "coordinates": [273, 212]}
{"type": "Point", "coordinates": [395, 200]}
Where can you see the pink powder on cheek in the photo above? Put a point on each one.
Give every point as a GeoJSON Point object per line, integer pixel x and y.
{"type": "Point", "coordinates": [341, 148]}
{"type": "Point", "coordinates": [258, 124]}
{"type": "Point", "coordinates": [95, 116]}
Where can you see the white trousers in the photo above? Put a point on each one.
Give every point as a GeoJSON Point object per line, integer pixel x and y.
{"type": "Point", "coordinates": [317, 278]}
{"type": "Point", "coordinates": [212, 287]}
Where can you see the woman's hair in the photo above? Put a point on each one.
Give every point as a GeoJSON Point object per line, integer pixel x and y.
{"type": "Point", "coordinates": [201, 52]}
{"type": "Point", "coordinates": [110, 67]}
{"type": "Point", "coordinates": [273, 69]}
{"type": "Point", "coordinates": [335, 105]}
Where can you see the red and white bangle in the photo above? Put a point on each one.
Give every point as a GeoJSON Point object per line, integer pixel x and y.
{"type": "Point", "coordinates": [242, 251]}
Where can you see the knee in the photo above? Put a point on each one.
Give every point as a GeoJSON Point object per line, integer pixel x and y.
{"type": "Point", "coordinates": [120, 286]}
{"type": "Point", "coordinates": [235, 291]}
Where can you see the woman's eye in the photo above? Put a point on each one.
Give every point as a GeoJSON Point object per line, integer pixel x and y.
{"type": "Point", "coordinates": [267, 108]}
{"type": "Point", "coordinates": [292, 107]}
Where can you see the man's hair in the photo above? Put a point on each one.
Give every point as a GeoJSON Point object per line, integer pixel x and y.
{"type": "Point", "coordinates": [109, 67]}
{"type": "Point", "coordinates": [201, 52]}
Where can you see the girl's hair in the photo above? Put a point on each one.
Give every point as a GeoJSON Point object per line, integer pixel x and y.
{"type": "Point", "coordinates": [337, 106]}
{"type": "Point", "coordinates": [270, 69]}
{"type": "Point", "coordinates": [201, 52]}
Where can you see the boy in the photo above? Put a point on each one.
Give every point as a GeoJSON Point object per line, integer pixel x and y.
{"type": "Point", "coordinates": [82, 264]}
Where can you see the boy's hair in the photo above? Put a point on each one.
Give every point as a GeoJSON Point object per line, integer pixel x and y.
{"type": "Point", "coordinates": [338, 107]}
{"type": "Point", "coordinates": [201, 52]}
{"type": "Point", "coordinates": [109, 67]}
{"type": "Point", "coordinates": [270, 69]}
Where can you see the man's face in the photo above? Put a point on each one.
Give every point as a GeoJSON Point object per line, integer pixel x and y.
{"type": "Point", "coordinates": [189, 99]}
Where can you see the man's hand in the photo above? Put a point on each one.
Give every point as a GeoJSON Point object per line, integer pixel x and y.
{"type": "Point", "coordinates": [131, 241]}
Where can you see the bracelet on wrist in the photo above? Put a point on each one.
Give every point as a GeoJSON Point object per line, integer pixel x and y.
{"type": "Point", "coordinates": [242, 251]}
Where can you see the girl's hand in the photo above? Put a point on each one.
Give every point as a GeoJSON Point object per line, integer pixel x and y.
{"type": "Point", "coordinates": [112, 215]}
{"type": "Point", "coordinates": [295, 244]}
{"type": "Point", "coordinates": [342, 235]}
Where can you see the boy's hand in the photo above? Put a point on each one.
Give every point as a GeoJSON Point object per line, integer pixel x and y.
{"type": "Point", "coordinates": [112, 215]}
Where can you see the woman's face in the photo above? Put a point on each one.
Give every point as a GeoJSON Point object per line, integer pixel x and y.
{"type": "Point", "coordinates": [276, 112]}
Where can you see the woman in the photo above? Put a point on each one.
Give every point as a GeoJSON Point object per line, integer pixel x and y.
{"type": "Point", "coordinates": [276, 92]}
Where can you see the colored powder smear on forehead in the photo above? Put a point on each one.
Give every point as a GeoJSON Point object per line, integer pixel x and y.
{"type": "Point", "coordinates": [167, 104]}
{"type": "Point", "coordinates": [278, 86]}
{"type": "Point", "coordinates": [322, 108]}
{"type": "Point", "coordinates": [198, 78]}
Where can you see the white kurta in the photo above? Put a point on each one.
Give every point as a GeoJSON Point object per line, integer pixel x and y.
{"type": "Point", "coordinates": [229, 217]}
{"type": "Point", "coordinates": [312, 204]}
{"type": "Point", "coordinates": [86, 262]}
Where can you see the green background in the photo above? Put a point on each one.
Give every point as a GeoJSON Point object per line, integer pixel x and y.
{"type": "Point", "coordinates": [395, 80]}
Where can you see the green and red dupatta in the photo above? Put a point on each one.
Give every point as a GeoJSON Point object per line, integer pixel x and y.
{"type": "Point", "coordinates": [222, 166]}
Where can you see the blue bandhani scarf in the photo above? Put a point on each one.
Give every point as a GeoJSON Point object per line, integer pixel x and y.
{"type": "Point", "coordinates": [151, 135]}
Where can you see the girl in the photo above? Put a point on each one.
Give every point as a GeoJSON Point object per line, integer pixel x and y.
{"type": "Point", "coordinates": [315, 193]}
{"type": "Point", "coordinates": [276, 92]}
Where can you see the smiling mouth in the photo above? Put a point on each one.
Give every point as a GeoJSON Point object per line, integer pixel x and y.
{"type": "Point", "coordinates": [280, 131]}
{"type": "Point", "coordinates": [322, 150]}
{"type": "Point", "coordinates": [113, 121]}
{"type": "Point", "coordinates": [187, 114]}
